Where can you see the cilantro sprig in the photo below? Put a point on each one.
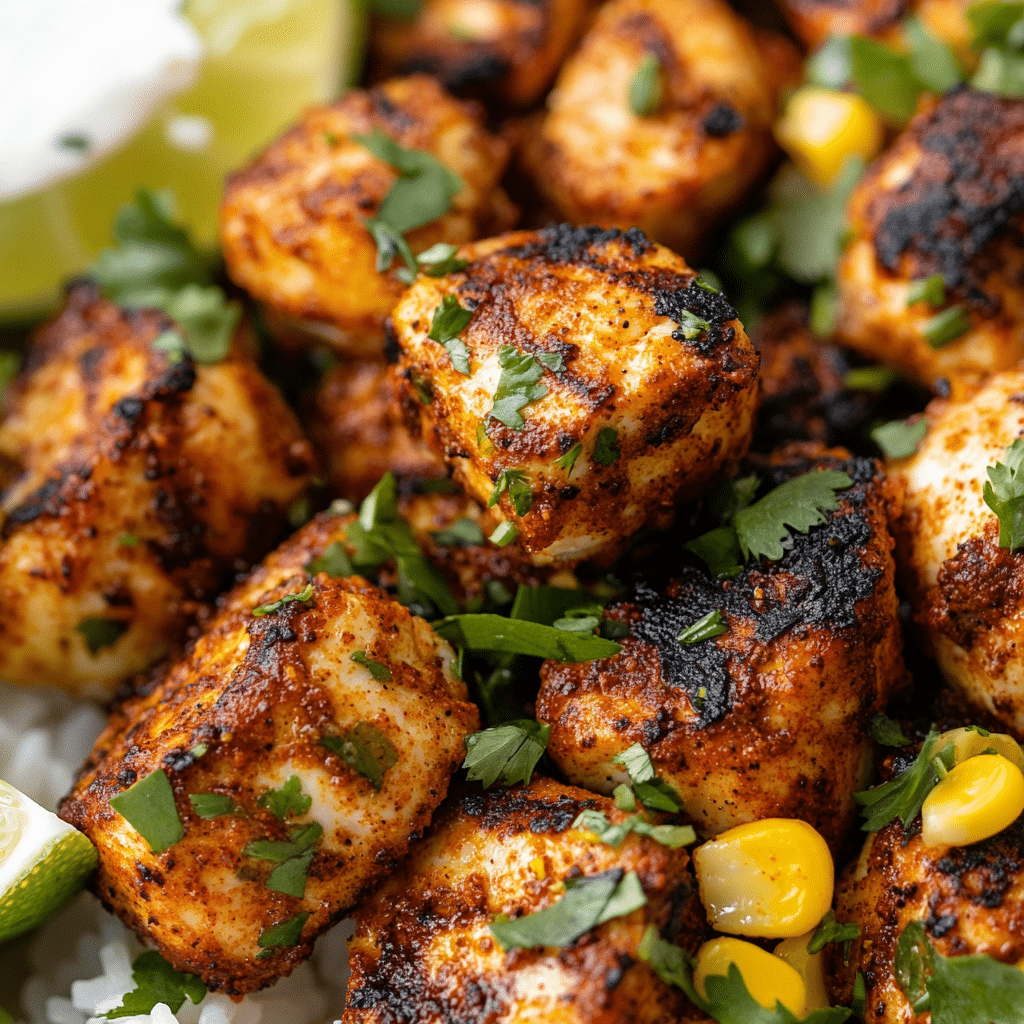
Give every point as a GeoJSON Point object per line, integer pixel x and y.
{"type": "Point", "coordinates": [653, 792]}
{"type": "Point", "coordinates": [518, 386]}
{"type": "Point", "coordinates": [156, 981]}
{"type": "Point", "coordinates": [508, 752]}
{"type": "Point", "coordinates": [495, 633]}
{"type": "Point", "coordinates": [447, 323]}
{"type": "Point", "coordinates": [899, 438]}
{"type": "Point", "coordinates": [1004, 494]}
{"type": "Point", "coordinates": [289, 799]}
{"type": "Point", "coordinates": [148, 806]}
{"type": "Point", "coordinates": [831, 930]}
{"type": "Point", "coordinates": [366, 750]}
{"type": "Point", "coordinates": [672, 836]}
{"type": "Point", "coordinates": [519, 491]}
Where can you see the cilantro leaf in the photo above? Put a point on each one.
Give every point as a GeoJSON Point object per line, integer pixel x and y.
{"type": "Point", "coordinates": [519, 491]}
{"type": "Point", "coordinates": [391, 243]}
{"type": "Point", "coordinates": [366, 750]}
{"type": "Point", "coordinates": [488, 632]}
{"type": "Point", "coordinates": [1004, 494]}
{"type": "Point", "coordinates": [148, 806]}
{"type": "Point", "coordinates": [285, 934]}
{"type": "Point", "coordinates": [796, 504]}
{"type": "Point", "coordinates": [884, 730]}
{"type": "Point", "coordinates": [885, 78]}
{"type": "Point", "coordinates": [463, 533]}
{"type": "Point", "coordinates": [156, 981]}
{"type": "Point", "coordinates": [290, 877]}
{"type": "Point", "coordinates": [508, 752]}
{"type": "Point", "coordinates": [546, 604]}
{"type": "Point", "coordinates": [379, 671]}
{"type": "Point", "coordinates": [831, 930]}
{"type": "Point", "coordinates": [710, 625]}
{"type": "Point", "coordinates": [172, 343]}
{"type": "Point", "coordinates": [669, 962]}
{"type": "Point", "coordinates": [517, 386]}
{"type": "Point", "coordinates": [691, 326]}
{"type": "Point", "coordinates": [672, 836]}
{"type": "Point", "coordinates": [278, 851]}
{"type": "Point", "coordinates": [929, 289]}
{"type": "Point", "coordinates": [207, 318]}
{"type": "Point", "coordinates": [552, 360]}
{"type": "Point", "coordinates": [588, 902]}
{"type": "Point", "coordinates": [651, 791]}
{"type": "Point", "coordinates": [719, 550]}
{"type": "Point", "coordinates": [899, 438]}
{"type": "Point", "coordinates": [903, 796]}
{"type": "Point", "coordinates": [637, 763]}
{"type": "Point", "coordinates": [448, 321]}
{"type": "Point", "coordinates": [289, 799]}
{"type": "Point", "coordinates": [99, 632]}
{"type": "Point", "coordinates": [993, 22]}
{"type": "Point", "coordinates": [214, 805]}
{"type": "Point", "coordinates": [567, 460]}
{"type": "Point", "coordinates": [440, 259]}
{"type": "Point", "coordinates": [605, 452]}
{"type": "Point", "coordinates": [303, 596]}
{"type": "Point", "coordinates": [333, 560]}
{"type": "Point", "coordinates": [645, 86]}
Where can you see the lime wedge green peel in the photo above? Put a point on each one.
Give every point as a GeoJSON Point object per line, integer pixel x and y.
{"type": "Point", "coordinates": [43, 862]}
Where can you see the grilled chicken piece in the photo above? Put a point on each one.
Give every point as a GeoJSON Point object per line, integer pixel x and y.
{"type": "Point", "coordinates": [947, 199]}
{"type": "Point", "coordinates": [356, 425]}
{"type": "Point", "coordinates": [146, 485]}
{"type": "Point", "coordinates": [675, 170]}
{"type": "Point", "coordinates": [504, 50]}
{"type": "Point", "coordinates": [966, 590]}
{"type": "Point", "coordinates": [636, 385]}
{"type": "Point", "coordinates": [969, 898]}
{"type": "Point", "coordinates": [253, 706]}
{"type": "Point", "coordinates": [423, 950]}
{"type": "Point", "coordinates": [768, 719]}
{"type": "Point", "coordinates": [292, 222]}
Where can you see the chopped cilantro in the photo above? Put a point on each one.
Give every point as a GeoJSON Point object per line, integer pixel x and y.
{"type": "Point", "coordinates": [552, 360]}
{"type": "Point", "coordinates": [517, 386]}
{"type": "Point", "coordinates": [946, 326]}
{"type": "Point", "coordinates": [584, 619]}
{"type": "Point", "coordinates": [148, 806]}
{"type": "Point", "coordinates": [289, 799]}
{"type": "Point", "coordinates": [391, 243]}
{"type": "Point", "coordinates": [366, 750]}
{"type": "Point", "coordinates": [672, 836]}
{"type": "Point", "coordinates": [504, 534]}
{"type": "Point", "coordinates": [304, 596]}
{"type": "Point", "coordinates": [278, 851]}
{"type": "Point", "coordinates": [333, 560]}
{"type": "Point", "coordinates": [378, 670]}
{"type": "Point", "coordinates": [448, 321]}
{"type": "Point", "coordinates": [440, 259]}
{"type": "Point", "coordinates": [207, 318]}
{"type": "Point", "coordinates": [487, 632]}
{"type": "Point", "coordinates": [156, 981]}
{"type": "Point", "coordinates": [588, 902]}
{"type": "Point", "coordinates": [645, 86]}
{"type": "Point", "coordinates": [719, 550]}
{"type": "Point", "coordinates": [567, 460]}
{"type": "Point", "coordinates": [463, 533]}
{"type": "Point", "coordinates": [519, 491]}
{"type": "Point", "coordinates": [605, 452]}
{"type": "Point", "coordinates": [507, 753]}
{"type": "Point", "coordinates": [884, 730]}
{"type": "Point", "coordinates": [899, 438]}
{"type": "Point", "coordinates": [1004, 494]}
{"type": "Point", "coordinates": [831, 930]}
{"type": "Point", "coordinates": [172, 344]}
{"type": "Point", "coordinates": [706, 627]}
{"type": "Point", "coordinates": [285, 934]}
{"type": "Point", "coordinates": [546, 604]}
{"type": "Point", "coordinates": [691, 326]}
{"type": "Point", "coordinates": [654, 793]}
{"type": "Point", "coordinates": [98, 632]}
{"type": "Point", "coordinates": [929, 289]}
{"type": "Point", "coordinates": [290, 877]}
{"type": "Point", "coordinates": [214, 805]}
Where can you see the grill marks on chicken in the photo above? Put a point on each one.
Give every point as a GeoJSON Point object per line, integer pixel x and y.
{"type": "Point", "coordinates": [145, 484]}
{"type": "Point", "coordinates": [768, 719]}
{"type": "Point", "coordinates": [261, 694]}
{"type": "Point", "coordinates": [423, 950]}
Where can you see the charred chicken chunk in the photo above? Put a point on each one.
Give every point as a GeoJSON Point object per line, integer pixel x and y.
{"type": "Point", "coordinates": [768, 718]}
{"type": "Point", "coordinates": [592, 383]}
{"type": "Point", "coordinates": [146, 484]}
{"type": "Point", "coordinates": [931, 279]}
{"type": "Point", "coordinates": [285, 763]}
{"type": "Point", "coordinates": [423, 949]}
{"type": "Point", "coordinates": [293, 223]}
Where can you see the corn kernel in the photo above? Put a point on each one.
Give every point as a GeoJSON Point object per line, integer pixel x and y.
{"type": "Point", "coordinates": [969, 742]}
{"type": "Point", "coordinates": [770, 878]}
{"type": "Point", "coordinates": [769, 979]}
{"type": "Point", "coordinates": [809, 966]}
{"type": "Point", "coordinates": [821, 128]}
{"type": "Point", "coordinates": [975, 800]}
{"type": "Point", "coordinates": [537, 866]}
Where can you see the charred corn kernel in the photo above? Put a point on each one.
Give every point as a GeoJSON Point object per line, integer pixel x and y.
{"type": "Point", "coordinates": [809, 966]}
{"type": "Point", "coordinates": [770, 878]}
{"type": "Point", "coordinates": [971, 741]}
{"type": "Point", "coordinates": [975, 800]}
{"type": "Point", "coordinates": [768, 978]}
{"type": "Point", "coordinates": [537, 866]}
{"type": "Point", "coordinates": [821, 128]}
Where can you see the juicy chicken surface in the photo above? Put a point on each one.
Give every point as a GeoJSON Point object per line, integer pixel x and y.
{"type": "Point", "coordinates": [292, 222]}
{"type": "Point", "coordinates": [969, 898]}
{"type": "Point", "coordinates": [946, 199]}
{"type": "Point", "coordinates": [145, 485]}
{"type": "Point", "coordinates": [247, 711]}
{"type": "Point", "coordinates": [423, 950]}
{"type": "Point", "coordinates": [675, 170]}
{"type": "Point", "coordinates": [356, 425]}
{"type": "Point", "coordinates": [768, 719]}
{"type": "Point", "coordinates": [965, 589]}
{"type": "Point", "coordinates": [649, 416]}
{"type": "Point", "coordinates": [505, 50]}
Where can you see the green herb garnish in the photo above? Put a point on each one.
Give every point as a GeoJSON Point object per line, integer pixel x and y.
{"type": "Point", "coordinates": [930, 289]}
{"type": "Point", "coordinates": [691, 326]}
{"type": "Point", "coordinates": [98, 632]}
{"type": "Point", "coordinates": [605, 452]}
{"type": "Point", "coordinates": [214, 805]}
{"type": "Point", "coordinates": [486, 632]}
{"type": "Point", "coordinates": [440, 259]}
{"type": "Point", "coordinates": [508, 752]}
{"type": "Point", "coordinates": [463, 533]}
{"type": "Point", "coordinates": [706, 627]}
{"type": "Point", "coordinates": [379, 671]}
{"type": "Point", "coordinates": [546, 604]}
{"type": "Point", "coordinates": [884, 730]}
{"type": "Point", "coordinates": [289, 799]}
{"type": "Point", "coordinates": [517, 386]}
{"type": "Point", "coordinates": [366, 750]}
{"type": "Point", "coordinates": [519, 491]}
{"type": "Point", "coordinates": [654, 793]}
{"type": "Point", "coordinates": [448, 321]}
{"type": "Point", "coordinates": [899, 438]}
{"type": "Point", "coordinates": [946, 326]}
{"type": "Point", "coordinates": [300, 841]}
{"type": "Point", "coordinates": [831, 930]}
{"type": "Point", "coordinates": [156, 981]}
{"type": "Point", "coordinates": [285, 934]}
{"type": "Point", "coordinates": [333, 560]}
{"type": "Point", "coordinates": [304, 596]}
{"type": "Point", "coordinates": [148, 806]}
{"type": "Point", "coordinates": [645, 86]}
{"type": "Point", "coordinates": [1004, 494]}
{"type": "Point", "coordinates": [672, 836]}
{"type": "Point", "coordinates": [568, 460]}
{"type": "Point", "coordinates": [504, 534]}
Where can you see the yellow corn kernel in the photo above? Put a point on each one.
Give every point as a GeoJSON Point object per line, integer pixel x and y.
{"type": "Point", "coordinates": [537, 867]}
{"type": "Point", "coordinates": [968, 742]}
{"type": "Point", "coordinates": [821, 128]}
{"type": "Point", "coordinates": [769, 979]}
{"type": "Point", "coordinates": [975, 800]}
{"type": "Point", "coordinates": [770, 878]}
{"type": "Point", "coordinates": [809, 966]}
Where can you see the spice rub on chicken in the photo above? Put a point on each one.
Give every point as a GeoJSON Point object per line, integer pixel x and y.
{"type": "Point", "coordinates": [146, 484]}
{"type": "Point", "coordinates": [423, 949]}
{"type": "Point", "coordinates": [965, 580]}
{"type": "Point", "coordinates": [765, 716]}
{"type": "Point", "coordinates": [242, 807]}
{"type": "Point", "coordinates": [660, 120]}
{"type": "Point", "coordinates": [505, 50]}
{"type": "Point", "coordinates": [931, 280]}
{"type": "Point", "coordinates": [294, 222]}
{"type": "Point", "coordinates": [585, 383]}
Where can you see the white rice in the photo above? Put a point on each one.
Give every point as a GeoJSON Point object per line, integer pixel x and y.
{"type": "Point", "coordinates": [79, 962]}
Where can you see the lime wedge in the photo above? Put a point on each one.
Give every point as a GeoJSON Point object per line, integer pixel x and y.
{"type": "Point", "coordinates": [43, 862]}
{"type": "Point", "coordinates": [264, 60]}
